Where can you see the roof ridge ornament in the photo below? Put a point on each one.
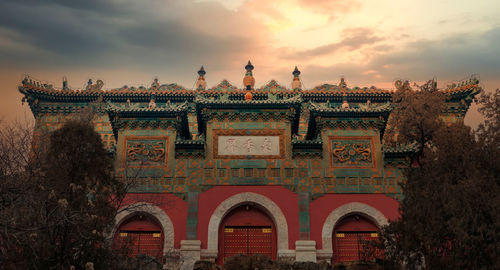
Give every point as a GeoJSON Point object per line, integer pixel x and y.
{"type": "Point", "coordinates": [201, 84]}
{"type": "Point", "coordinates": [296, 83]}
{"type": "Point", "coordinates": [94, 87]}
{"type": "Point", "coordinates": [249, 80]}
{"type": "Point", "coordinates": [65, 83]}
{"type": "Point", "coordinates": [155, 85]}
{"type": "Point", "coordinates": [342, 84]}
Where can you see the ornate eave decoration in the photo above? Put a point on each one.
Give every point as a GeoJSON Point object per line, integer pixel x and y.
{"type": "Point", "coordinates": [247, 110]}
{"type": "Point", "coordinates": [165, 92]}
{"type": "Point", "coordinates": [364, 116]}
{"type": "Point", "coordinates": [465, 90]}
{"type": "Point", "coordinates": [399, 155]}
{"type": "Point", "coordinates": [133, 117]}
{"type": "Point", "coordinates": [400, 150]}
{"type": "Point", "coordinates": [307, 148]}
{"type": "Point", "coordinates": [190, 148]}
{"type": "Point", "coordinates": [335, 93]}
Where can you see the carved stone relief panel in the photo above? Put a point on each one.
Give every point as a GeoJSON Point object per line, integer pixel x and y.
{"type": "Point", "coordinates": [351, 152]}
{"type": "Point", "coordinates": [146, 151]}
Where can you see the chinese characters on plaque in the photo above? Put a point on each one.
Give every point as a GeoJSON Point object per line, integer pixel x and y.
{"type": "Point", "coordinates": [248, 145]}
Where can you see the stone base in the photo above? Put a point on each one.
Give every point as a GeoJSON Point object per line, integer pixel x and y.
{"type": "Point", "coordinates": [324, 255]}
{"type": "Point", "coordinates": [305, 251]}
{"type": "Point", "coordinates": [208, 255]}
{"type": "Point", "coordinates": [190, 253]}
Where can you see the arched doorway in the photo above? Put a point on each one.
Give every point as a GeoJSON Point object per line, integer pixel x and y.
{"type": "Point", "coordinates": [246, 230]}
{"type": "Point", "coordinates": [350, 238]}
{"type": "Point", "coordinates": [140, 234]}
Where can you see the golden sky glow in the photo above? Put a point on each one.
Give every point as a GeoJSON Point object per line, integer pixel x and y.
{"type": "Point", "coordinates": [128, 42]}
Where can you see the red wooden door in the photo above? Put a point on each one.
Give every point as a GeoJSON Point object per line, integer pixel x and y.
{"type": "Point", "coordinates": [142, 242]}
{"type": "Point", "coordinates": [140, 235]}
{"type": "Point", "coordinates": [349, 246]}
{"type": "Point", "coordinates": [350, 238]}
{"type": "Point", "coordinates": [248, 241]}
{"type": "Point", "coordinates": [246, 230]}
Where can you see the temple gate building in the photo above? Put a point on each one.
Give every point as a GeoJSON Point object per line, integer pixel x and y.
{"type": "Point", "coordinates": [292, 173]}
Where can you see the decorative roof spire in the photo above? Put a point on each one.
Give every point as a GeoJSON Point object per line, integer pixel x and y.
{"type": "Point", "coordinates": [202, 72]}
{"type": "Point", "coordinates": [342, 83]}
{"type": "Point", "coordinates": [249, 66]}
{"type": "Point", "coordinates": [89, 85]}
{"type": "Point", "coordinates": [65, 83]}
{"type": "Point", "coordinates": [155, 85]}
{"type": "Point", "coordinates": [248, 80]}
{"type": "Point", "coordinates": [201, 83]}
{"type": "Point", "coordinates": [296, 84]}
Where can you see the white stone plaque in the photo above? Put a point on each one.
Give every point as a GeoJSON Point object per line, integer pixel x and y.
{"type": "Point", "coordinates": [248, 146]}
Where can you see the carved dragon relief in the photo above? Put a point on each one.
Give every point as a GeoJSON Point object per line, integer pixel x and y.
{"type": "Point", "coordinates": [355, 153]}
{"type": "Point", "coordinates": [151, 152]}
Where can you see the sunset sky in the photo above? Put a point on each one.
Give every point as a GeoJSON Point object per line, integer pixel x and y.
{"type": "Point", "coordinates": [130, 42]}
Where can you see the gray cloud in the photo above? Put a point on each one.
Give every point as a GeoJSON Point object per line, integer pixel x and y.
{"type": "Point", "coordinates": [111, 33]}
{"type": "Point", "coordinates": [449, 59]}
{"type": "Point", "coordinates": [354, 38]}
{"type": "Point", "coordinates": [175, 37]}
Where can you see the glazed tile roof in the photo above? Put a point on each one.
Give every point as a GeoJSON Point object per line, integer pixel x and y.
{"type": "Point", "coordinates": [157, 109]}
{"type": "Point", "coordinates": [225, 101]}
{"type": "Point", "coordinates": [399, 150]}
{"type": "Point", "coordinates": [468, 88]}
{"type": "Point", "coordinates": [176, 92]}
{"type": "Point", "coordinates": [361, 109]}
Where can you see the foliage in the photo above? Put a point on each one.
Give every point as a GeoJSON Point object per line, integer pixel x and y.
{"type": "Point", "coordinates": [262, 262]}
{"type": "Point", "coordinates": [205, 265]}
{"type": "Point", "coordinates": [416, 116]}
{"type": "Point", "coordinates": [58, 199]}
{"type": "Point", "coordinates": [449, 213]}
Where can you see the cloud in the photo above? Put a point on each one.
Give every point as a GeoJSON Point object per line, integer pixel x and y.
{"type": "Point", "coordinates": [353, 39]}
{"type": "Point", "coordinates": [330, 6]}
{"type": "Point", "coordinates": [449, 59]}
{"type": "Point", "coordinates": [175, 37]}
{"type": "Point", "coordinates": [153, 34]}
{"type": "Point", "coordinates": [461, 54]}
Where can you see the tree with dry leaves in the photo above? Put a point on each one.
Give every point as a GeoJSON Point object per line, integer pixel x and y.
{"type": "Point", "coordinates": [58, 199]}
{"type": "Point", "coordinates": [449, 216]}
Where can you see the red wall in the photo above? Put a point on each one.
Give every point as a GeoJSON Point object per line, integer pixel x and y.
{"type": "Point", "coordinates": [320, 208]}
{"type": "Point", "coordinates": [286, 200]}
{"type": "Point", "coordinates": [173, 206]}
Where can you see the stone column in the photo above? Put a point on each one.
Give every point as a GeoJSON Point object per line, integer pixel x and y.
{"type": "Point", "coordinates": [305, 249]}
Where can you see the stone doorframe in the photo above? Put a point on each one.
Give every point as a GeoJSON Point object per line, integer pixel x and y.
{"type": "Point", "coordinates": [262, 202]}
{"type": "Point", "coordinates": [156, 212]}
{"type": "Point", "coordinates": [336, 215]}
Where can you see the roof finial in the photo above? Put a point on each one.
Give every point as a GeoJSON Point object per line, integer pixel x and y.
{"type": "Point", "coordinates": [65, 83]}
{"type": "Point", "coordinates": [249, 66]}
{"type": "Point", "coordinates": [248, 80]}
{"type": "Point", "coordinates": [155, 85]}
{"type": "Point", "coordinates": [89, 85]}
{"type": "Point", "coordinates": [296, 84]}
{"type": "Point", "coordinates": [202, 72]}
{"type": "Point", "coordinates": [342, 83]}
{"type": "Point", "coordinates": [201, 83]}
